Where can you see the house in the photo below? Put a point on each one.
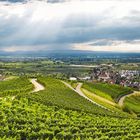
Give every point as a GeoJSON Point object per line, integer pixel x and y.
{"type": "Point", "coordinates": [111, 81]}
{"type": "Point", "coordinates": [72, 78]}
{"type": "Point", "coordinates": [85, 78]}
{"type": "Point", "coordinates": [104, 76]}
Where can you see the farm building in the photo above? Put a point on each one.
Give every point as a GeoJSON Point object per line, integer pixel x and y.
{"type": "Point", "coordinates": [73, 78]}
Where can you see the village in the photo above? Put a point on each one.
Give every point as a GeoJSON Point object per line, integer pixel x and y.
{"type": "Point", "coordinates": [126, 78]}
{"type": "Point", "coordinates": [108, 73]}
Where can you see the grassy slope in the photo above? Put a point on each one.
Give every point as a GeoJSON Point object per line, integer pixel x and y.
{"type": "Point", "coordinates": [132, 104]}
{"type": "Point", "coordinates": [102, 101]}
{"type": "Point", "coordinates": [108, 91]}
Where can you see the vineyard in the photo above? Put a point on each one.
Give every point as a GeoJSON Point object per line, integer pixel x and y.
{"type": "Point", "coordinates": [59, 113]}
{"type": "Point", "coordinates": [132, 104]}
{"type": "Point", "coordinates": [26, 119]}
{"type": "Point", "coordinates": [56, 93]}
{"type": "Point", "coordinates": [108, 91]}
{"type": "Point", "coordinates": [15, 86]}
{"type": "Point", "coordinates": [72, 83]}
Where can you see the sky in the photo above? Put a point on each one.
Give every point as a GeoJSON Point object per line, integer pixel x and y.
{"type": "Point", "coordinates": [90, 25]}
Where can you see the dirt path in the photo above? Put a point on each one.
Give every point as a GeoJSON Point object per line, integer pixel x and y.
{"type": "Point", "coordinates": [121, 100]}
{"type": "Point", "coordinates": [78, 90]}
{"type": "Point", "coordinates": [37, 86]}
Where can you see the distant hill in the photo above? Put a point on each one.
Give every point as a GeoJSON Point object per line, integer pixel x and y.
{"type": "Point", "coordinates": [71, 53]}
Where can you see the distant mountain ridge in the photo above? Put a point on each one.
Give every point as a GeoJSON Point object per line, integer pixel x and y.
{"type": "Point", "coordinates": [49, 1]}
{"type": "Point", "coordinates": [71, 52]}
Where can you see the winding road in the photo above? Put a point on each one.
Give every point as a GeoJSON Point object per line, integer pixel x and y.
{"type": "Point", "coordinates": [121, 100]}
{"type": "Point", "coordinates": [78, 90]}
{"type": "Point", "coordinates": [37, 86]}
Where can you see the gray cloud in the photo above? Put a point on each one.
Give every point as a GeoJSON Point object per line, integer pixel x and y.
{"type": "Point", "coordinates": [49, 1]}
{"type": "Point", "coordinates": [77, 30]}
{"type": "Point", "coordinates": [62, 33]}
{"type": "Point", "coordinates": [53, 1]}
